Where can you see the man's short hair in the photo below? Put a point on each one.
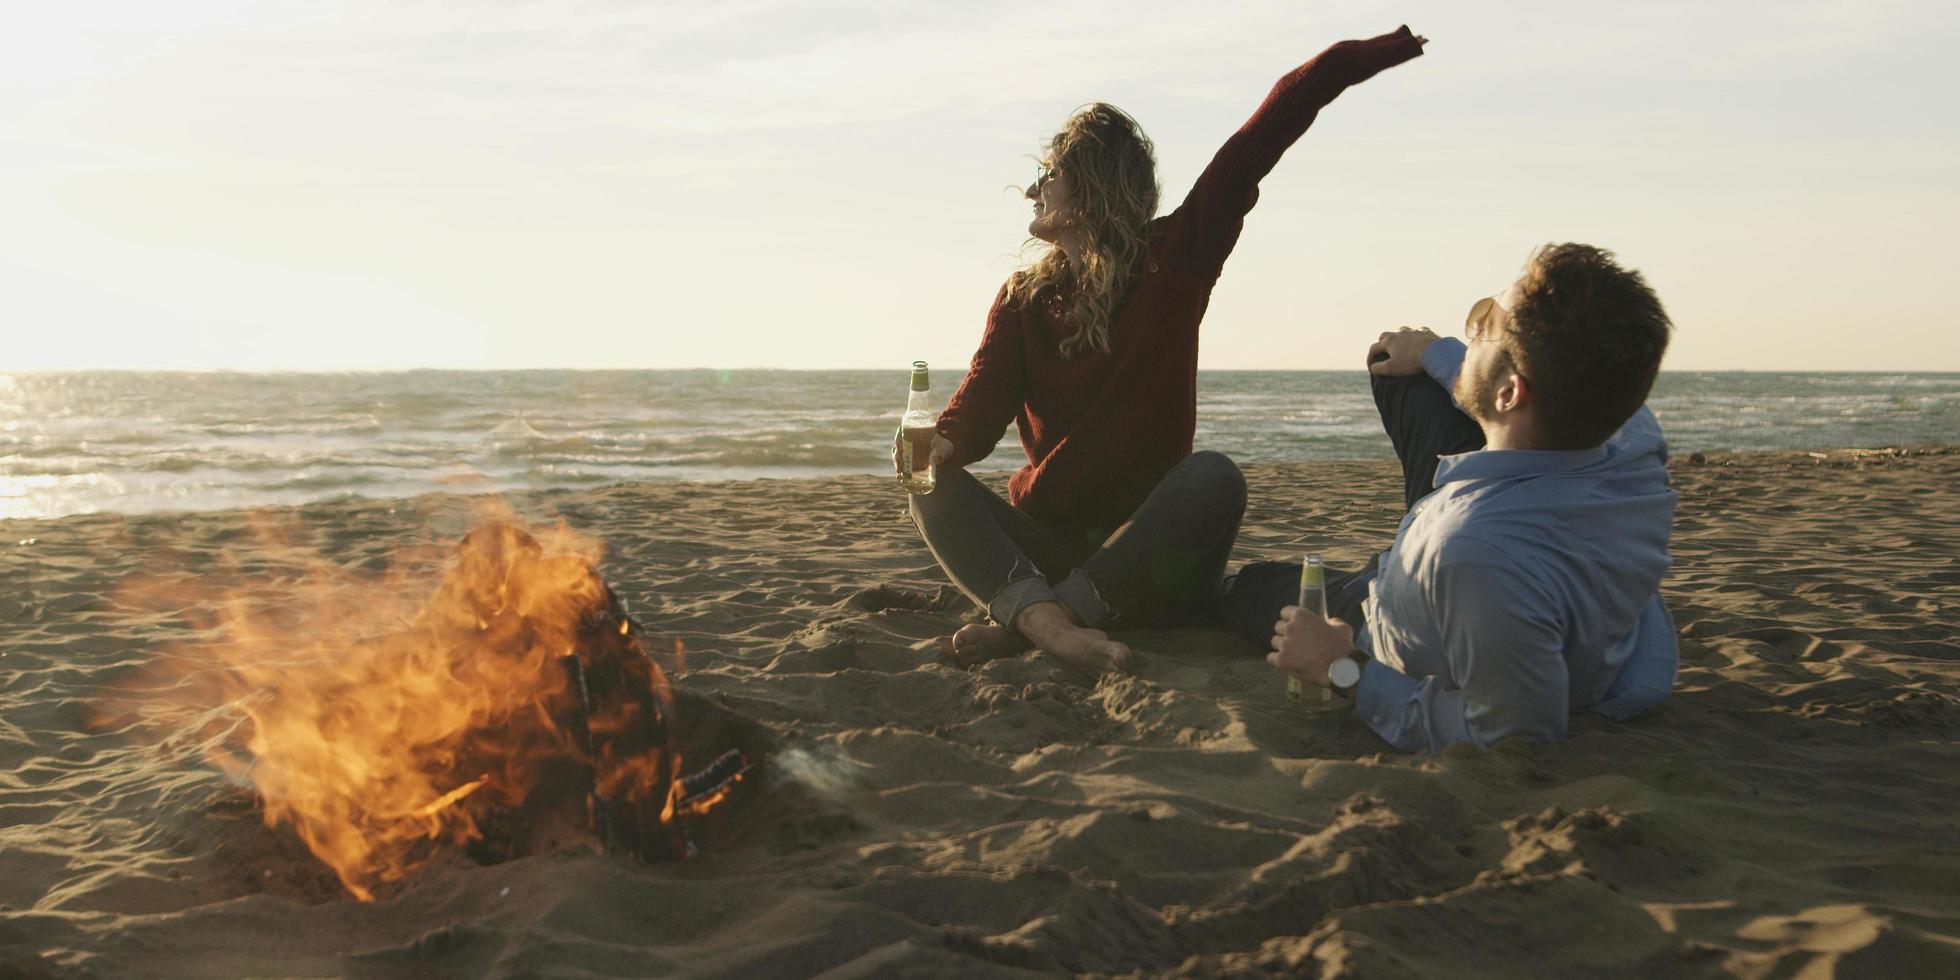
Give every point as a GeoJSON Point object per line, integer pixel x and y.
{"type": "Point", "coordinates": [1589, 335]}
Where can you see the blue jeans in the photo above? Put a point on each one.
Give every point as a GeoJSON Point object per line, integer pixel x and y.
{"type": "Point", "coordinates": [1422, 424]}
{"type": "Point", "coordinates": [1162, 567]}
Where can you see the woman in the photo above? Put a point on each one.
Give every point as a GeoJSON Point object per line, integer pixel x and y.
{"type": "Point", "coordinates": [1092, 351]}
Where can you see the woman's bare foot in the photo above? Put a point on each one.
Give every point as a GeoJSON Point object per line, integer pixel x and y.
{"type": "Point", "coordinates": [1048, 626]}
{"type": "Point", "coordinates": [1092, 652]}
{"type": "Point", "coordinates": [981, 642]}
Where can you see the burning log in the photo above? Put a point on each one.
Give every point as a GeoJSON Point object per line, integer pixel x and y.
{"type": "Point", "coordinates": [517, 712]}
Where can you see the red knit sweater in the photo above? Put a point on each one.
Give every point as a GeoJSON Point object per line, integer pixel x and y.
{"type": "Point", "coordinates": [1101, 430]}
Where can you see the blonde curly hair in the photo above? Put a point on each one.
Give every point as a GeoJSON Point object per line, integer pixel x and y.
{"type": "Point", "coordinates": [1112, 179]}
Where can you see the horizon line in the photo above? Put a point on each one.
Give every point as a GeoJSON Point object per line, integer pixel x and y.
{"type": "Point", "coordinates": [6, 372]}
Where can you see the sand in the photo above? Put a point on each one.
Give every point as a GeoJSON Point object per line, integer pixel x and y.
{"type": "Point", "coordinates": [1790, 812]}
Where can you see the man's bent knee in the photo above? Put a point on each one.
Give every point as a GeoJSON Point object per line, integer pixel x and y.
{"type": "Point", "coordinates": [1392, 389]}
{"type": "Point", "coordinates": [1217, 473]}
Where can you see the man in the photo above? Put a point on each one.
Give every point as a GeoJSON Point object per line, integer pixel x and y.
{"type": "Point", "coordinates": [1523, 583]}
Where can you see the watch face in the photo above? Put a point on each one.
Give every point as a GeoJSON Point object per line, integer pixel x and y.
{"type": "Point", "coordinates": [1344, 673]}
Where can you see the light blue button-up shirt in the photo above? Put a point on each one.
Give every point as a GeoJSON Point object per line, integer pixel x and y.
{"type": "Point", "coordinates": [1524, 588]}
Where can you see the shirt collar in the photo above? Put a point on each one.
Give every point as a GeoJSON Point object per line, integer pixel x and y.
{"type": "Point", "coordinates": [1500, 464]}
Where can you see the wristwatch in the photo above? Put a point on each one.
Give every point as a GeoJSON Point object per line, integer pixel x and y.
{"type": "Point", "coordinates": [1345, 673]}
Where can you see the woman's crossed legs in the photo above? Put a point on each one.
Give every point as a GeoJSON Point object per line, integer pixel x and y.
{"type": "Point", "coordinates": [1058, 588]}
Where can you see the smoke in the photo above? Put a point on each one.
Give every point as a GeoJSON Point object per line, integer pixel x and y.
{"type": "Point", "coordinates": [827, 771]}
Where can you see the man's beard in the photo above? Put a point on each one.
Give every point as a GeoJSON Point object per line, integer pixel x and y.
{"type": "Point", "coordinates": [1476, 391]}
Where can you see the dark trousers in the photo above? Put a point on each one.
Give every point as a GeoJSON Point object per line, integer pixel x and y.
{"type": "Point", "coordinates": [1163, 567]}
{"type": "Point", "coordinates": [1423, 424]}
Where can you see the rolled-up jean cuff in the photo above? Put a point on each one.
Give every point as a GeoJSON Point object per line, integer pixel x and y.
{"type": "Point", "coordinates": [1080, 596]}
{"type": "Point", "coordinates": [1024, 588]}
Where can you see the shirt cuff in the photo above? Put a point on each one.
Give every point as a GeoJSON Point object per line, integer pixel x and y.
{"type": "Point", "coordinates": [1381, 693]}
{"type": "Point", "coordinates": [1442, 360]}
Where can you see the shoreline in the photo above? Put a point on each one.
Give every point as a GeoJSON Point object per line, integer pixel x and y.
{"type": "Point", "coordinates": [1828, 456]}
{"type": "Point", "coordinates": [1787, 810]}
{"type": "Point", "coordinates": [881, 369]}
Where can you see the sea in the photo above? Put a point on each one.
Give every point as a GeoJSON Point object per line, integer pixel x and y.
{"type": "Point", "coordinates": [137, 442]}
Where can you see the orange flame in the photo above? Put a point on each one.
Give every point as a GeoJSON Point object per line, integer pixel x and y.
{"type": "Point", "coordinates": [383, 731]}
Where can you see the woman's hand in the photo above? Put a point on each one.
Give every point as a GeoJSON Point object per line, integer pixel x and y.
{"type": "Point", "coordinates": [942, 447]}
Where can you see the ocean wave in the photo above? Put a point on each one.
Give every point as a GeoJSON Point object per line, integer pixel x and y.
{"type": "Point", "coordinates": [743, 456]}
{"type": "Point", "coordinates": [339, 480]}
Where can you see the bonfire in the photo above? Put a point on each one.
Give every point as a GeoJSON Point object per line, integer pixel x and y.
{"type": "Point", "coordinates": [516, 711]}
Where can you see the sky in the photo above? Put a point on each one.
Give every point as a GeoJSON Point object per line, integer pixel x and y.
{"type": "Point", "coordinates": [272, 185]}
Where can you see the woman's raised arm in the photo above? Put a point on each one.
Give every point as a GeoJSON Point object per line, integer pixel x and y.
{"type": "Point", "coordinates": [1214, 211]}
